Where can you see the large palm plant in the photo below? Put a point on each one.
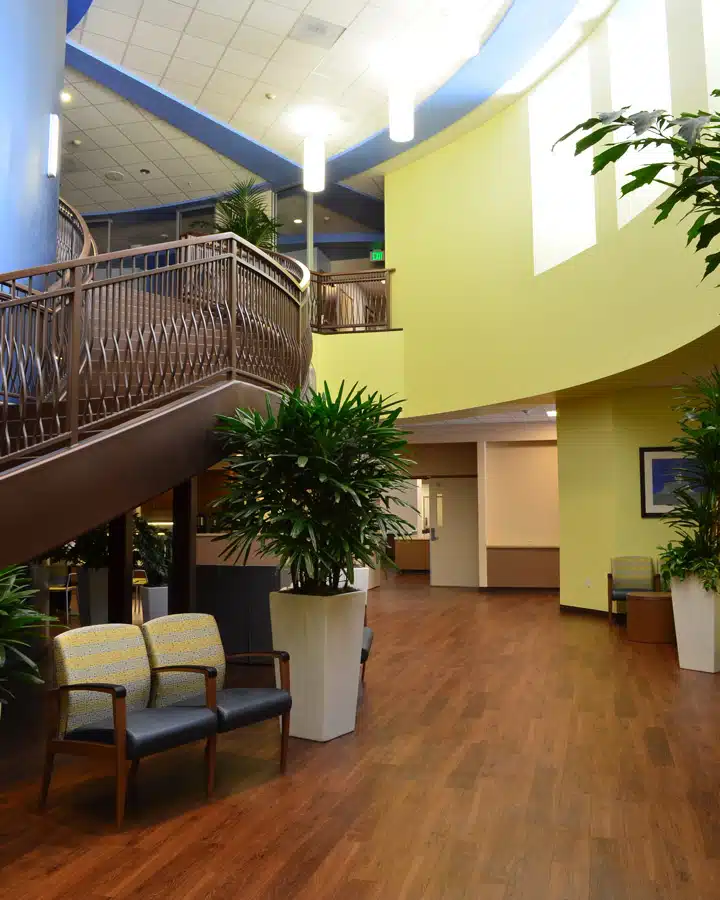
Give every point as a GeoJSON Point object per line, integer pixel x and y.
{"type": "Point", "coordinates": [242, 211]}
{"type": "Point", "coordinates": [313, 484]}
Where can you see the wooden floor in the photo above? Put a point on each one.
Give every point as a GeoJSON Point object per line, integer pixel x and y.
{"type": "Point", "coordinates": [503, 751]}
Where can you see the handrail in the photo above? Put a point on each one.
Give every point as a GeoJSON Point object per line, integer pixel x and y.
{"type": "Point", "coordinates": [153, 323]}
{"type": "Point", "coordinates": [73, 229]}
{"type": "Point", "coordinates": [298, 270]}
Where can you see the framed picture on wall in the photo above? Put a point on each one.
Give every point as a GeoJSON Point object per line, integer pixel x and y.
{"type": "Point", "coordinates": [661, 474]}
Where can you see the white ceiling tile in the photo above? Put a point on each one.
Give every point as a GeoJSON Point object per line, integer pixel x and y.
{"type": "Point", "coordinates": [189, 72]}
{"type": "Point", "coordinates": [121, 205]}
{"type": "Point", "coordinates": [231, 9]}
{"type": "Point", "coordinates": [85, 179]}
{"type": "Point", "coordinates": [157, 150]}
{"type": "Point", "coordinates": [143, 172]}
{"type": "Point", "coordinates": [106, 47]}
{"type": "Point", "coordinates": [181, 89]}
{"type": "Point", "coordinates": [257, 113]}
{"type": "Point", "coordinates": [133, 190]}
{"type": "Point", "coordinates": [148, 76]}
{"type": "Point", "coordinates": [219, 181]}
{"type": "Point", "coordinates": [212, 28]}
{"type": "Point", "coordinates": [107, 136]}
{"type": "Point", "coordinates": [227, 83]}
{"type": "Point", "coordinates": [73, 76]}
{"type": "Point", "coordinates": [128, 7]}
{"type": "Point", "coordinates": [285, 73]}
{"type": "Point", "coordinates": [146, 60]}
{"type": "Point", "coordinates": [165, 12]}
{"type": "Point", "coordinates": [75, 197]}
{"type": "Point", "coordinates": [241, 63]}
{"type": "Point", "coordinates": [199, 50]}
{"type": "Point", "coordinates": [189, 147]}
{"type": "Point", "coordinates": [104, 194]}
{"type": "Point", "coordinates": [260, 89]}
{"type": "Point", "coordinates": [95, 159]}
{"type": "Point", "coordinates": [270, 17]}
{"type": "Point", "coordinates": [167, 130]}
{"type": "Point", "coordinates": [298, 5]}
{"type": "Point", "coordinates": [201, 194]}
{"type": "Point", "coordinates": [121, 112]}
{"type": "Point", "coordinates": [175, 197]}
{"type": "Point", "coordinates": [140, 132]}
{"type": "Point", "coordinates": [173, 167]}
{"type": "Point", "coordinates": [160, 185]}
{"type": "Point", "coordinates": [339, 12]}
{"type": "Point", "coordinates": [89, 207]}
{"type": "Point", "coordinates": [86, 117]}
{"type": "Point", "coordinates": [155, 37]}
{"type": "Point", "coordinates": [208, 164]}
{"type": "Point", "coordinates": [97, 94]}
{"type": "Point", "coordinates": [192, 183]}
{"type": "Point", "coordinates": [127, 154]}
{"type": "Point", "coordinates": [108, 24]}
{"type": "Point", "coordinates": [298, 54]}
{"type": "Point", "coordinates": [252, 40]}
{"type": "Point", "coordinates": [320, 88]}
{"type": "Point", "coordinates": [222, 106]}
{"type": "Point", "coordinates": [254, 130]}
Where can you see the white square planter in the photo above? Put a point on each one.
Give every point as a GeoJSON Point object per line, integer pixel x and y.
{"type": "Point", "coordinates": [697, 625]}
{"type": "Point", "coordinates": [154, 602]}
{"type": "Point", "coordinates": [323, 636]}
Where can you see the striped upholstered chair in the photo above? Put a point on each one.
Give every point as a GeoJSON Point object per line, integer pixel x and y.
{"type": "Point", "coordinates": [100, 706]}
{"type": "Point", "coordinates": [195, 638]}
{"type": "Point", "coordinates": [629, 573]}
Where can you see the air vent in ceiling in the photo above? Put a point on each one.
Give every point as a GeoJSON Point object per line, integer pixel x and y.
{"type": "Point", "coordinates": [309, 30]}
{"type": "Point", "coordinates": [114, 176]}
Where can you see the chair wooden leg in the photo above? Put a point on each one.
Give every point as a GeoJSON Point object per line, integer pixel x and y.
{"type": "Point", "coordinates": [284, 740]}
{"type": "Point", "coordinates": [47, 775]}
{"type": "Point", "coordinates": [210, 759]}
{"type": "Point", "coordinates": [121, 779]}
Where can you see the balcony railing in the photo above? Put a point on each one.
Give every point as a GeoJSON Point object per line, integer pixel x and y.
{"type": "Point", "coordinates": [347, 301]}
{"type": "Point", "coordinates": [77, 355]}
{"type": "Point", "coordinates": [73, 235]}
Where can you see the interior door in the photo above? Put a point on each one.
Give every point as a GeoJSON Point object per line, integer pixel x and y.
{"type": "Point", "coordinates": [454, 532]}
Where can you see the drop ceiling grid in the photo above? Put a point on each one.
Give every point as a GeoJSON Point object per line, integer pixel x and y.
{"type": "Point", "coordinates": [224, 56]}
{"type": "Point", "coordinates": [119, 137]}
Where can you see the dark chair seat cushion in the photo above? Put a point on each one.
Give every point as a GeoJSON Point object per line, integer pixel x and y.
{"type": "Point", "coordinates": [152, 730]}
{"type": "Point", "coordinates": [366, 644]}
{"type": "Point", "coordinates": [237, 707]}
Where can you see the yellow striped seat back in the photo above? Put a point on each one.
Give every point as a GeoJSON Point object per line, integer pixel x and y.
{"type": "Point", "coordinates": [183, 639]}
{"type": "Point", "coordinates": [632, 573]}
{"type": "Point", "coordinates": [111, 654]}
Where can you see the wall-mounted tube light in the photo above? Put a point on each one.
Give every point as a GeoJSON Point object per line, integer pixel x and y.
{"type": "Point", "coordinates": [53, 145]}
{"type": "Point", "coordinates": [314, 164]}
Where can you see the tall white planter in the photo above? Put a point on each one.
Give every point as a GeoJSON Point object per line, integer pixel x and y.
{"type": "Point", "coordinates": [154, 602]}
{"type": "Point", "coordinates": [697, 625]}
{"type": "Point", "coordinates": [323, 636]}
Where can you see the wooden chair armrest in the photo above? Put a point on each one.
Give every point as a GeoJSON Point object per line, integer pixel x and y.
{"type": "Point", "coordinates": [282, 656]}
{"type": "Point", "coordinates": [210, 673]}
{"type": "Point", "coordinates": [119, 706]}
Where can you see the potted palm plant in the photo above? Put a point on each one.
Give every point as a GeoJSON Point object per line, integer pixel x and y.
{"type": "Point", "coordinates": [692, 562]}
{"type": "Point", "coordinates": [312, 485]}
{"type": "Point", "coordinates": [19, 622]}
{"type": "Point", "coordinates": [243, 211]}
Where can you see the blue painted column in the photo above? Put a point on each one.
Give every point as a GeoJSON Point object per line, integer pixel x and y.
{"type": "Point", "coordinates": [32, 37]}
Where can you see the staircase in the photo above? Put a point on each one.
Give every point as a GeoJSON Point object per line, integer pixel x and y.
{"type": "Point", "coordinates": [114, 367]}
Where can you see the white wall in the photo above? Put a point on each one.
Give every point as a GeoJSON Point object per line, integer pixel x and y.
{"type": "Point", "coordinates": [522, 496]}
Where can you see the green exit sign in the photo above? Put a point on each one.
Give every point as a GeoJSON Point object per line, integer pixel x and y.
{"type": "Point", "coordinates": [377, 256]}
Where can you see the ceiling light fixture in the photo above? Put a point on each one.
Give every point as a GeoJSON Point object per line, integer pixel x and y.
{"type": "Point", "coordinates": [315, 124]}
{"type": "Point", "coordinates": [297, 221]}
{"type": "Point", "coordinates": [65, 96]}
{"type": "Point", "coordinates": [401, 111]}
{"type": "Point", "coordinates": [551, 413]}
{"type": "Point", "coordinates": [76, 142]}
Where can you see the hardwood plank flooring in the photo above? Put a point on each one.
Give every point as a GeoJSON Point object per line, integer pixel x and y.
{"type": "Point", "coordinates": [503, 752]}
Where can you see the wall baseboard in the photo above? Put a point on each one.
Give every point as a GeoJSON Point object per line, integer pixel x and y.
{"type": "Point", "coordinates": [519, 590]}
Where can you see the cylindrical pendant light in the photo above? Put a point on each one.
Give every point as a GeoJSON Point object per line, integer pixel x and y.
{"type": "Point", "coordinates": [401, 111]}
{"type": "Point", "coordinates": [314, 163]}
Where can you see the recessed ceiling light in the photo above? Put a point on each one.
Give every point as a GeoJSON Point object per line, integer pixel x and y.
{"type": "Point", "coordinates": [144, 171]}
{"type": "Point", "coordinates": [113, 175]}
{"type": "Point", "coordinates": [65, 96]}
{"type": "Point", "coordinates": [326, 218]}
{"type": "Point", "coordinates": [297, 221]}
{"type": "Point", "coordinates": [551, 413]}
{"type": "Point", "coordinates": [270, 96]}
{"type": "Point", "coordinates": [76, 142]}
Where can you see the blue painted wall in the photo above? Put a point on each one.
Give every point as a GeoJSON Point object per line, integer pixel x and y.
{"type": "Point", "coordinates": [76, 9]}
{"type": "Point", "coordinates": [32, 32]}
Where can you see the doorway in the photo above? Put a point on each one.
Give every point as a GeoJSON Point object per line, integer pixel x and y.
{"type": "Point", "coordinates": [454, 532]}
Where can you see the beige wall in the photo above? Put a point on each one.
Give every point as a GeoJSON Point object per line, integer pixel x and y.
{"type": "Point", "coordinates": [522, 499]}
